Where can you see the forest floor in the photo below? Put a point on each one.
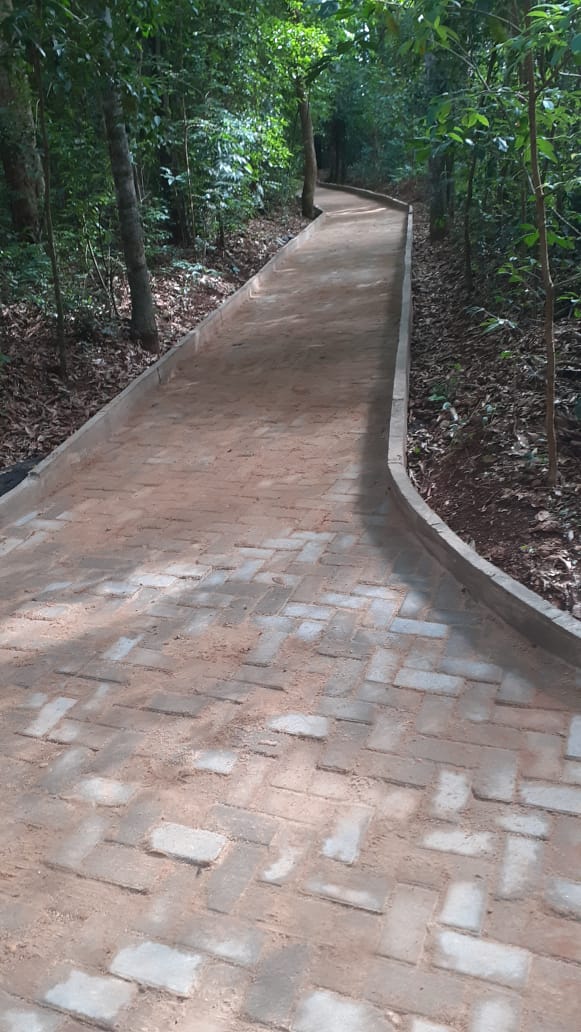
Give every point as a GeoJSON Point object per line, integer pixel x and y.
{"type": "Point", "coordinates": [38, 410]}
{"type": "Point", "coordinates": [476, 436]}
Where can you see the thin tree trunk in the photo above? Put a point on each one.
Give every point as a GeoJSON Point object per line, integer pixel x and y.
{"type": "Point", "coordinates": [548, 285]}
{"type": "Point", "coordinates": [50, 239]}
{"type": "Point", "coordinates": [143, 324]}
{"type": "Point", "coordinates": [310, 169]}
{"type": "Point", "coordinates": [18, 152]}
{"type": "Point", "coordinates": [468, 270]}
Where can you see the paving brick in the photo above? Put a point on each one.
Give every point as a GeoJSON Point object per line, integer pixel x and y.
{"type": "Point", "coordinates": [434, 715]}
{"type": "Point", "coordinates": [17, 1016]}
{"type": "Point", "coordinates": [120, 865]}
{"type": "Point", "coordinates": [302, 725]}
{"type": "Point", "coordinates": [244, 824]}
{"type": "Point", "coordinates": [232, 876]}
{"type": "Point", "coordinates": [525, 824]}
{"type": "Point", "coordinates": [104, 791]}
{"type": "Point", "coordinates": [362, 890]}
{"type": "Point", "coordinates": [195, 845]}
{"type": "Point", "coordinates": [455, 840]}
{"type": "Point", "coordinates": [271, 996]}
{"type": "Point", "coordinates": [72, 851]}
{"type": "Point", "coordinates": [159, 966]}
{"type": "Point", "coordinates": [496, 1015]}
{"type": "Point", "coordinates": [87, 996]}
{"type": "Point", "coordinates": [496, 777]}
{"type": "Point", "coordinates": [427, 681]}
{"type": "Point", "coordinates": [516, 689]}
{"type": "Point", "coordinates": [422, 627]}
{"type": "Point", "coordinates": [464, 906]}
{"type": "Point", "coordinates": [564, 897]}
{"type": "Point", "coordinates": [387, 731]}
{"type": "Point", "coordinates": [322, 1011]}
{"type": "Point", "coordinates": [224, 937]}
{"type": "Point", "coordinates": [399, 770]}
{"type": "Point", "coordinates": [405, 928]}
{"type": "Point", "coordinates": [573, 750]}
{"type": "Point", "coordinates": [344, 843]}
{"type": "Point", "coordinates": [477, 703]}
{"type": "Point", "coordinates": [217, 761]}
{"type": "Point", "coordinates": [308, 612]}
{"type": "Point", "coordinates": [452, 795]}
{"type": "Point", "coordinates": [348, 709]}
{"type": "Point", "coordinates": [343, 748]}
{"type": "Point", "coordinates": [383, 666]}
{"type": "Point", "coordinates": [267, 649]}
{"type": "Point", "coordinates": [520, 867]}
{"type": "Point", "coordinates": [491, 961]}
{"type": "Point", "coordinates": [560, 798]}
{"type": "Point", "coordinates": [401, 986]}
{"type": "Point", "coordinates": [178, 705]}
{"type": "Point", "coordinates": [472, 670]}
{"type": "Point", "coordinates": [49, 716]}
{"type": "Point", "coordinates": [66, 769]}
{"type": "Point", "coordinates": [334, 598]}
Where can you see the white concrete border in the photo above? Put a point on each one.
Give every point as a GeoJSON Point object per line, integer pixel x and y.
{"type": "Point", "coordinates": [60, 466]}
{"type": "Point", "coordinates": [538, 621]}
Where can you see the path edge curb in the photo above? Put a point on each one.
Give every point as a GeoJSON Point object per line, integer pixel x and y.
{"type": "Point", "coordinates": [539, 622]}
{"type": "Point", "coordinates": [58, 467]}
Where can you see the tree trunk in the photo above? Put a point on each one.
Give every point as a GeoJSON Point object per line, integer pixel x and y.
{"type": "Point", "coordinates": [18, 152]}
{"type": "Point", "coordinates": [143, 325]}
{"type": "Point", "coordinates": [50, 239]}
{"type": "Point", "coordinates": [438, 197]}
{"type": "Point", "coordinates": [310, 172]}
{"type": "Point", "coordinates": [548, 286]}
{"type": "Point", "coordinates": [468, 270]}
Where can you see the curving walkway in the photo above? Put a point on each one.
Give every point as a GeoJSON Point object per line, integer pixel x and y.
{"type": "Point", "coordinates": [263, 762]}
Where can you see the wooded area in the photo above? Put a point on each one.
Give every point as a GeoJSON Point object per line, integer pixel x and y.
{"type": "Point", "coordinates": [137, 136]}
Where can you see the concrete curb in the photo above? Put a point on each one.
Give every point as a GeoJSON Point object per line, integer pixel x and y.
{"type": "Point", "coordinates": [60, 466]}
{"type": "Point", "coordinates": [541, 623]}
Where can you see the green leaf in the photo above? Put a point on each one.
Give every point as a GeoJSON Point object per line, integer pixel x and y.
{"type": "Point", "coordinates": [576, 43]}
{"type": "Point", "coordinates": [546, 147]}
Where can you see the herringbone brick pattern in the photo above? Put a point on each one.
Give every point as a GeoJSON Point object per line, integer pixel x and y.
{"type": "Point", "coordinates": [263, 763]}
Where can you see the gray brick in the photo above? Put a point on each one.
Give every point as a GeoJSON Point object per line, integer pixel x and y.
{"type": "Point", "coordinates": [405, 928]}
{"type": "Point", "coordinates": [491, 961]}
{"type": "Point", "coordinates": [66, 769]}
{"type": "Point", "coordinates": [496, 778]}
{"type": "Point", "coordinates": [381, 612]}
{"type": "Point", "coordinates": [373, 591]}
{"type": "Point", "coordinates": [464, 906]}
{"type": "Point", "coordinates": [452, 795]}
{"type": "Point", "coordinates": [49, 716]}
{"type": "Point", "coordinates": [177, 705]}
{"type": "Point", "coordinates": [472, 671]}
{"type": "Point", "coordinates": [525, 824]}
{"type": "Point", "coordinates": [345, 841]}
{"type": "Point", "coordinates": [348, 709]}
{"type": "Point", "coordinates": [308, 612]}
{"type": "Point", "coordinates": [402, 986]}
{"type": "Point", "coordinates": [217, 761]}
{"type": "Point", "coordinates": [120, 865]}
{"type": "Point", "coordinates": [267, 649]}
{"type": "Point", "coordinates": [573, 750]}
{"type": "Point", "coordinates": [383, 666]}
{"type": "Point", "coordinates": [302, 725]}
{"type": "Point", "coordinates": [195, 845]}
{"type": "Point", "coordinates": [333, 598]}
{"type": "Point", "coordinates": [564, 897]}
{"type": "Point", "coordinates": [104, 791]}
{"type": "Point", "coordinates": [346, 676]}
{"type": "Point", "coordinates": [323, 1011]}
{"type": "Point", "coordinates": [561, 798]}
{"type": "Point", "coordinates": [427, 681]}
{"type": "Point", "coordinates": [232, 876]}
{"type": "Point", "coordinates": [271, 996]}
{"type": "Point", "coordinates": [344, 747]}
{"type": "Point", "coordinates": [398, 770]}
{"type": "Point", "coordinates": [117, 752]}
{"type": "Point", "coordinates": [434, 716]}
{"type": "Point", "coordinates": [71, 853]}
{"type": "Point", "coordinates": [477, 703]}
{"type": "Point", "coordinates": [455, 840]}
{"type": "Point", "coordinates": [423, 627]}
{"type": "Point", "coordinates": [420, 1025]}
{"type": "Point", "coordinates": [244, 824]}
{"type": "Point", "coordinates": [87, 996]}
{"type": "Point", "coordinates": [362, 890]}
{"type": "Point", "coordinates": [387, 731]}
{"type": "Point", "coordinates": [16, 1016]}
{"type": "Point", "coordinates": [520, 867]}
{"type": "Point", "coordinates": [516, 689]}
{"type": "Point", "coordinates": [224, 937]}
{"type": "Point", "coordinates": [496, 1015]}
{"type": "Point", "coordinates": [137, 820]}
{"type": "Point", "coordinates": [152, 964]}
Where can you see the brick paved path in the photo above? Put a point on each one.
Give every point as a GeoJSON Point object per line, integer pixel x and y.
{"type": "Point", "coordinates": [263, 763]}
